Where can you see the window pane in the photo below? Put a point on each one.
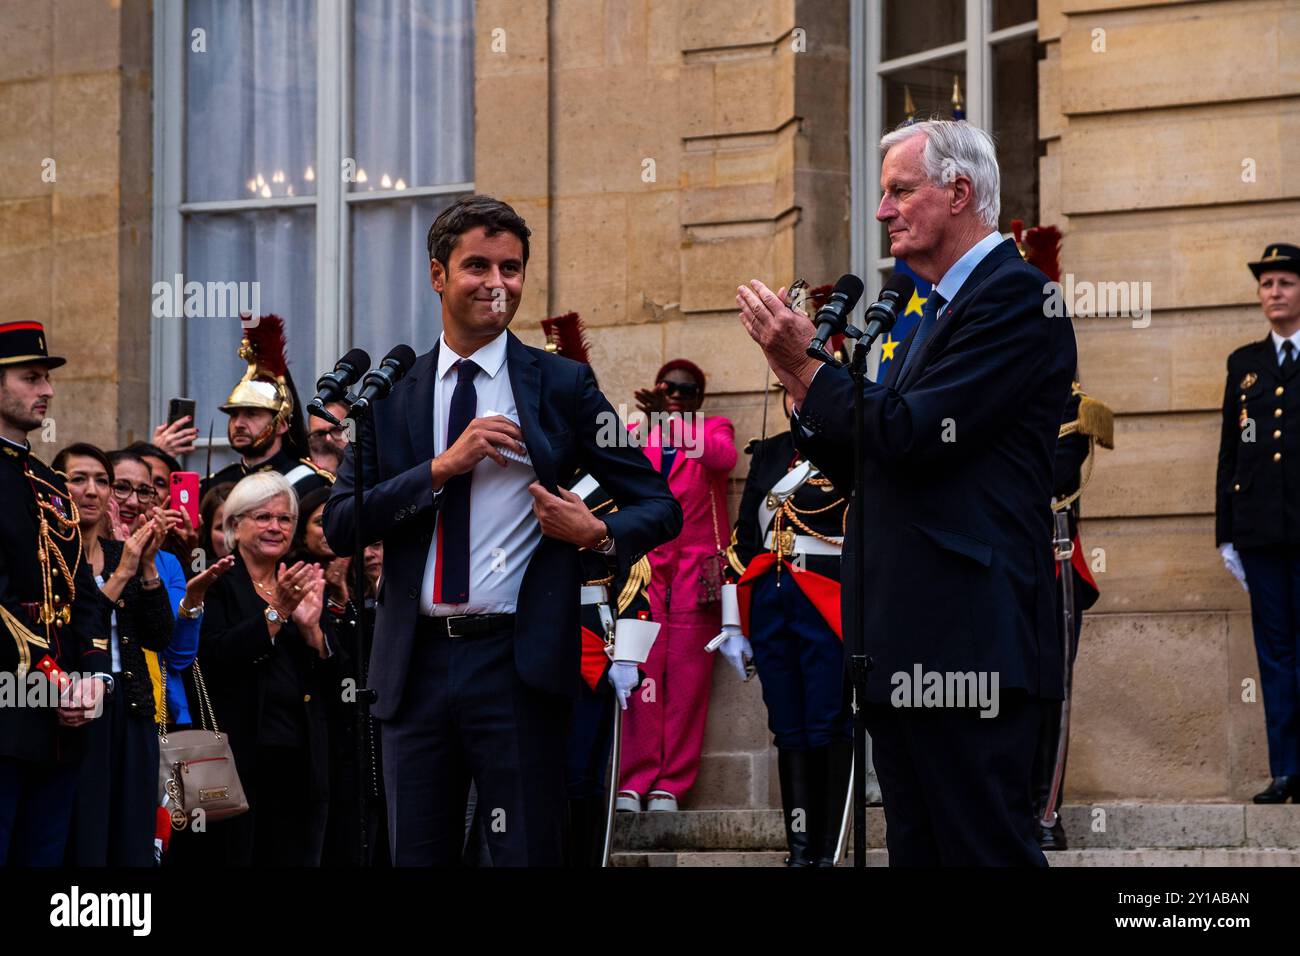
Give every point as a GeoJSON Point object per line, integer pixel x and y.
{"type": "Point", "coordinates": [930, 85]}
{"type": "Point", "coordinates": [1008, 13]}
{"type": "Point", "coordinates": [412, 93]}
{"type": "Point", "coordinates": [250, 99]}
{"type": "Point", "coordinates": [277, 250]}
{"type": "Point", "coordinates": [392, 300]}
{"type": "Point", "coordinates": [910, 27]}
{"type": "Point", "coordinates": [1015, 128]}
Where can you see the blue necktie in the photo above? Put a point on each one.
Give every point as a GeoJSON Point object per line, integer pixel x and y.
{"type": "Point", "coordinates": [929, 316]}
{"type": "Point", "coordinates": [451, 582]}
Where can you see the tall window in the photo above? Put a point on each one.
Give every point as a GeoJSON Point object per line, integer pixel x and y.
{"type": "Point", "coordinates": [913, 55]}
{"type": "Point", "coordinates": [307, 146]}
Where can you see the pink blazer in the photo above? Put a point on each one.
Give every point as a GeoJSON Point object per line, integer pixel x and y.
{"type": "Point", "coordinates": [699, 469]}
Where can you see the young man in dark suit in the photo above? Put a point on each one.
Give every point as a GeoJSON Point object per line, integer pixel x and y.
{"type": "Point", "coordinates": [1257, 504]}
{"type": "Point", "coordinates": [959, 441]}
{"type": "Point", "coordinates": [476, 646]}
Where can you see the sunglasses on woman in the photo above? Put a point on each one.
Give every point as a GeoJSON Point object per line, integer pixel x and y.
{"type": "Point", "coordinates": [684, 389]}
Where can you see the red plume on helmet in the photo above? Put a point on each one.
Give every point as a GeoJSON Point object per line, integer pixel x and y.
{"type": "Point", "coordinates": [1041, 247]}
{"type": "Point", "coordinates": [565, 336]}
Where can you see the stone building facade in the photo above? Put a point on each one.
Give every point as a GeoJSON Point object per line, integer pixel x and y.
{"type": "Point", "coordinates": [664, 151]}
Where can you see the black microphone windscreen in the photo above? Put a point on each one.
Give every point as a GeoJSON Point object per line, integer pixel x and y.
{"type": "Point", "coordinates": [900, 283]}
{"type": "Point", "coordinates": [358, 359]}
{"type": "Point", "coordinates": [403, 356]}
{"type": "Point", "coordinates": [849, 286]}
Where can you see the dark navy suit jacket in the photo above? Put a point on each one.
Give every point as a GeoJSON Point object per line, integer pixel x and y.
{"type": "Point", "coordinates": [568, 425]}
{"type": "Point", "coordinates": [959, 456]}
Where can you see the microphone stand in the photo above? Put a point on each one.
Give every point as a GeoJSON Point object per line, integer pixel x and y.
{"type": "Point", "coordinates": [855, 644]}
{"type": "Point", "coordinates": [360, 634]}
{"type": "Point", "coordinates": [859, 663]}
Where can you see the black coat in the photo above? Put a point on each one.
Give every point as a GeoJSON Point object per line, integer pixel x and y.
{"type": "Point", "coordinates": [566, 423]}
{"type": "Point", "coordinates": [28, 733]}
{"type": "Point", "coordinates": [1257, 492]}
{"type": "Point", "coordinates": [959, 475]}
{"type": "Point", "coordinates": [144, 622]}
{"type": "Point", "coordinates": [240, 664]}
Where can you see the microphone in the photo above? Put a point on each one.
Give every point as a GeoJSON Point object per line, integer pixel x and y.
{"type": "Point", "coordinates": [333, 386]}
{"type": "Point", "coordinates": [833, 317]}
{"type": "Point", "coordinates": [380, 381]}
{"type": "Point", "coordinates": [883, 313]}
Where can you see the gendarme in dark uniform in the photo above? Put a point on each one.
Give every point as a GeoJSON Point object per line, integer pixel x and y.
{"type": "Point", "coordinates": [48, 612]}
{"type": "Point", "coordinates": [1257, 504]}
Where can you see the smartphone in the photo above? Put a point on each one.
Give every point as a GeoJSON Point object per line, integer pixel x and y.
{"type": "Point", "coordinates": [178, 408]}
{"type": "Point", "coordinates": [185, 494]}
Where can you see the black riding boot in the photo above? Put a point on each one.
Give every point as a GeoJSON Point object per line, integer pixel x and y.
{"type": "Point", "coordinates": [796, 804]}
{"type": "Point", "coordinates": [839, 764]}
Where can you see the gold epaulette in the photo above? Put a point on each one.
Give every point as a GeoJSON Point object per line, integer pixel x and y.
{"type": "Point", "coordinates": [638, 579]}
{"type": "Point", "coordinates": [1096, 420]}
{"type": "Point", "coordinates": [327, 475]}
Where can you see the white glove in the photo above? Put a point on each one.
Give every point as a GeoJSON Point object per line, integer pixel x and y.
{"type": "Point", "coordinates": [1232, 561]}
{"type": "Point", "coordinates": [624, 678]}
{"type": "Point", "coordinates": [735, 647]}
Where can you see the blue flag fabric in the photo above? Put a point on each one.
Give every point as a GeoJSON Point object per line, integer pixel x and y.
{"type": "Point", "coordinates": [906, 322]}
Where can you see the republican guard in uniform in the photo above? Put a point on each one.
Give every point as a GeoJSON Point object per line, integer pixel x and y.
{"type": "Point", "coordinates": [53, 635]}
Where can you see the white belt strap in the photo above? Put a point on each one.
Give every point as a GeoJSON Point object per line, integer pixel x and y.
{"type": "Point", "coordinates": [790, 482]}
{"type": "Point", "coordinates": [594, 594]}
{"type": "Point", "coordinates": [295, 475]}
{"type": "Point", "coordinates": [807, 544]}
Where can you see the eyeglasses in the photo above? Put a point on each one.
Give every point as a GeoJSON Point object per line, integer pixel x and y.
{"type": "Point", "coordinates": [335, 433]}
{"type": "Point", "coordinates": [265, 518]}
{"type": "Point", "coordinates": [122, 490]}
{"type": "Point", "coordinates": [684, 389]}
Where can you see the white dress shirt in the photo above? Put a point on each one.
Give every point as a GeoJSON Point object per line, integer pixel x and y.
{"type": "Point", "coordinates": [503, 531]}
{"type": "Point", "coordinates": [1294, 339]}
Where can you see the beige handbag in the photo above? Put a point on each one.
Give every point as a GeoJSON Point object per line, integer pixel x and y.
{"type": "Point", "coordinates": [196, 768]}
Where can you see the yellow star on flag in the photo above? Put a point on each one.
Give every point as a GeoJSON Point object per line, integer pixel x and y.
{"type": "Point", "coordinates": [887, 347]}
{"type": "Point", "coordinates": [915, 305]}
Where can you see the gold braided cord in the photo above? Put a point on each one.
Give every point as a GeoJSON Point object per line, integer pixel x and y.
{"type": "Point", "coordinates": [638, 578]}
{"type": "Point", "coordinates": [792, 513]}
{"type": "Point", "coordinates": [1086, 477]}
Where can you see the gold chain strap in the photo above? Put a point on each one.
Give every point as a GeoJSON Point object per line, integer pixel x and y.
{"type": "Point", "coordinates": [204, 702]}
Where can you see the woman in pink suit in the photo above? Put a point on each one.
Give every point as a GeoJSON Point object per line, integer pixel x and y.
{"type": "Point", "coordinates": [662, 737]}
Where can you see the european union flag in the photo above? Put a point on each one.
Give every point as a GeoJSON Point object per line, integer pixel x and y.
{"type": "Point", "coordinates": [906, 322]}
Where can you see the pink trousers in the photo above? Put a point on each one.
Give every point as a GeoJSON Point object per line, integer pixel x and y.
{"type": "Point", "coordinates": [663, 728]}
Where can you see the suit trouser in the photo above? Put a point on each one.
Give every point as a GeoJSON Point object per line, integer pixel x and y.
{"type": "Point", "coordinates": [35, 811]}
{"type": "Point", "coordinates": [466, 714]}
{"type": "Point", "coordinates": [1273, 575]}
{"type": "Point", "coordinates": [957, 785]}
{"type": "Point", "coordinates": [117, 789]}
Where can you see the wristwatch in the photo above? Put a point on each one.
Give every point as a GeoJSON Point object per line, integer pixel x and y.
{"type": "Point", "coordinates": [272, 615]}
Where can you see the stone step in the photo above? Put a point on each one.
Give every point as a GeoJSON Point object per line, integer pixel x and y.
{"type": "Point", "coordinates": [1221, 856]}
{"type": "Point", "coordinates": [1101, 826]}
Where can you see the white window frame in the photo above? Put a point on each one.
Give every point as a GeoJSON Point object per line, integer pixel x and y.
{"type": "Point", "coordinates": [332, 206]}
{"type": "Point", "coordinates": [867, 110]}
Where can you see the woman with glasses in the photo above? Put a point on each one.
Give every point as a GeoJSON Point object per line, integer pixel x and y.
{"type": "Point", "coordinates": [268, 666]}
{"type": "Point", "coordinates": [662, 740]}
{"type": "Point", "coordinates": [114, 815]}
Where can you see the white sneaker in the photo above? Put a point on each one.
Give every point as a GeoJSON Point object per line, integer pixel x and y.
{"type": "Point", "coordinates": [661, 800]}
{"type": "Point", "coordinates": [628, 801]}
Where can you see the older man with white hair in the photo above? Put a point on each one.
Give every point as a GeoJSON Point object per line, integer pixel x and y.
{"type": "Point", "coordinates": [958, 444]}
